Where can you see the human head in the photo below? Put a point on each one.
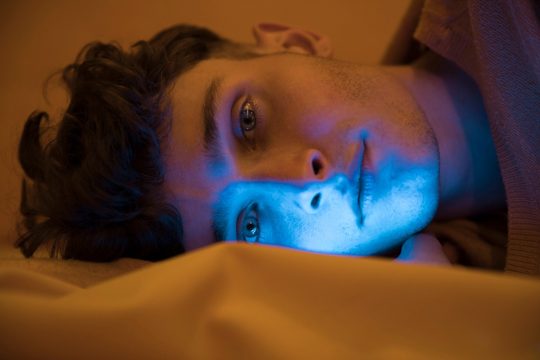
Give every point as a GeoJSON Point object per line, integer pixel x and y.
{"type": "Point", "coordinates": [126, 205]}
{"type": "Point", "coordinates": [95, 192]}
{"type": "Point", "coordinates": [290, 128]}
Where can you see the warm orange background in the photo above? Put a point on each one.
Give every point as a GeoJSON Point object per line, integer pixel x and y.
{"type": "Point", "coordinates": [39, 37]}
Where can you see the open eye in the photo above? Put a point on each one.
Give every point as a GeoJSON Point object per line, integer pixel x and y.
{"type": "Point", "coordinates": [248, 224]}
{"type": "Point", "coordinates": [248, 121]}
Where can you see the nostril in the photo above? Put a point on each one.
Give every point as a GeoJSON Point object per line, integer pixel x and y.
{"type": "Point", "coordinates": [316, 201]}
{"type": "Point", "coordinates": [317, 166]}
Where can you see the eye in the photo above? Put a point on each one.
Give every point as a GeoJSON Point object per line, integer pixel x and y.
{"type": "Point", "coordinates": [249, 229]}
{"type": "Point", "coordinates": [248, 121]}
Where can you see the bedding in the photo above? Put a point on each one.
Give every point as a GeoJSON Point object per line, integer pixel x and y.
{"type": "Point", "coordinates": [257, 302]}
{"type": "Point", "coordinates": [234, 300]}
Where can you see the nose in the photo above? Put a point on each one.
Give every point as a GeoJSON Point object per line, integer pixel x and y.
{"type": "Point", "coordinates": [316, 194]}
{"type": "Point", "coordinates": [296, 167]}
{"type": "Point", "coordinates": [315, 166]}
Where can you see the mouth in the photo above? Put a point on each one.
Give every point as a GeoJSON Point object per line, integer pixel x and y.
{"type": "Point", "coordinates": [358, 181]}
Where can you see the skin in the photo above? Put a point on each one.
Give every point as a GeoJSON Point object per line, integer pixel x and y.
{"type": "Point", "coordinates": [343, 158]}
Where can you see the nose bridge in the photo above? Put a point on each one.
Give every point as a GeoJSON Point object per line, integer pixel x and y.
{"type": "Point", "coordinates": [305, 165]}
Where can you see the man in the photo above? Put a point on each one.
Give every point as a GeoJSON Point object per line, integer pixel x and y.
{"type": "Point", "coordinates": [269, 144]}
{"type": "Point", "coordinates": [363, 145]}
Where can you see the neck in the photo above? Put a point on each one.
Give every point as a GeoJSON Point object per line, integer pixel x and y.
{"type": "Point", "coordinates": [470, 180]}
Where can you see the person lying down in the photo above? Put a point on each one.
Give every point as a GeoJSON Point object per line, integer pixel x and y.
{"type": "Point", "coordinates": [188, 139]}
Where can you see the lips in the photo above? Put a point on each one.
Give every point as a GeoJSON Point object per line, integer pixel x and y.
{"type": "Point", "coordinates": [358, 180]}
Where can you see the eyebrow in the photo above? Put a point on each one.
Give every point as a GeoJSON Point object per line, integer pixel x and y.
{"type": "Point", "coordinates": [220, 216]}
{"type": "Point", "coordinates": [211, 131]}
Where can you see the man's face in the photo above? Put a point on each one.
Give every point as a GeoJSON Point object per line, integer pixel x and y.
{"type": "Point", "coordinates": [300, 151]}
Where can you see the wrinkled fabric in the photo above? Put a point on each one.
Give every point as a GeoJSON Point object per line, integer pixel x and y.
{"type": "Point", "coordinates": [238, 301]}
{"type": "Point", "coordinates": [497, 42]}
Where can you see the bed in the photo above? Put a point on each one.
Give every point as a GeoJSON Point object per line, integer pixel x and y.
{"type": "Point", "coordinates": [233, 300]}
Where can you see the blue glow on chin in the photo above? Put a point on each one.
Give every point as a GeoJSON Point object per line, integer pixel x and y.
{"type": "Point", "coordinates": [287, 215]}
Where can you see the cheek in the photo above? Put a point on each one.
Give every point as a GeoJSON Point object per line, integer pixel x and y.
{"type": "Point", "coordinates": [304, 109]}
{"type": "Point", "coordinates": [331, 229]}
{"type": "Point", "coordinates": [402, 116]}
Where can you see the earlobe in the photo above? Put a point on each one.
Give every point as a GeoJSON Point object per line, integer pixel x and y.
{"type": "Point", "coordinates": [273, 38]}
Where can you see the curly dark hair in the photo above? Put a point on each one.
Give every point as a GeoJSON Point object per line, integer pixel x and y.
{"type": "Point", "coordinates": [95, 191]}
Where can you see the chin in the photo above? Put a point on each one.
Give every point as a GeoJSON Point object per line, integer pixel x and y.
{"type": "Point", "coordinates": [390, 224]}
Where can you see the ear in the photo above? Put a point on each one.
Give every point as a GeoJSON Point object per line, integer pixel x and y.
{"type": "Point", "coordinates": [272, 38]}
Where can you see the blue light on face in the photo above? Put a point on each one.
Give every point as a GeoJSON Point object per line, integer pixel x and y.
{"type": "Point", "coordinates": [327, 216]}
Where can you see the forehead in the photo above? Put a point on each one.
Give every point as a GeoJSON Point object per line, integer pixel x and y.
{"type": "Point", "coordinates": [187, 98]}
{"type": "Point", "coordinates": [187, 129]}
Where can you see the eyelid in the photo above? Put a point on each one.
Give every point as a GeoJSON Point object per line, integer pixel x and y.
{"type": "Point", "coordinates": [236, 124]}
{"type": "Point", "coordinates": [246, 210]}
